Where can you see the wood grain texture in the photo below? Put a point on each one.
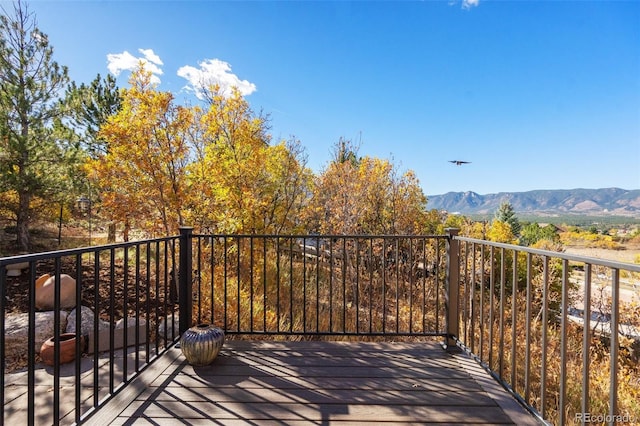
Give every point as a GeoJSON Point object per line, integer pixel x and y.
{"type": "Point", "coordinates": [344, 383]}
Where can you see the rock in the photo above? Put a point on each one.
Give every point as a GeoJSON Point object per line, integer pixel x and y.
{"type": "Point", "coordinates": [131, 322]}
{"type": "Point", "coordinates": [87, 318]}
{"type": "Point", "coordinates": [45, 294]}
{"type": "Point", "coordinates": [15, 269]}
{"type": "Point", "coordinates": [17, 331]}
{"type": "Point", "coordinates": [40, 281]}
{"type": "Point", "coordinates": [102, 341]}
{"type": "Point", "coordinates": [172, 327]}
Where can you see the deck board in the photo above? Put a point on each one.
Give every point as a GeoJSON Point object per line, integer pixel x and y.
{"type": "Point", "coordinates": [259, 382]}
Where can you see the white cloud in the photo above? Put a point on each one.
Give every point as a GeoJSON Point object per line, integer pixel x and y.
{"type": "Point", "coordinates": [151, 56]}
{"type": "Point", "coordinates": [125, 61]}
{"type": "Point", "coordinates": [468, 4]}
{"type": "Point", "coordinates": [214, 71]}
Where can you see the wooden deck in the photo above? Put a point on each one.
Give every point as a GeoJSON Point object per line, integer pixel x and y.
{"type": "Point", "coordinates": [262, 383]}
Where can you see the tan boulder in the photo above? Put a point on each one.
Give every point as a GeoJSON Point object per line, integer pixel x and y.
{"type": "Point", "coordinates": [40, 281]}
{"type": "Point", "coordinates": [45, 293]}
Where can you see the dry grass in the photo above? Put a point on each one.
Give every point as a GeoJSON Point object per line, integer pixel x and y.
{"type": "Point", "coordinates": [627, 255]}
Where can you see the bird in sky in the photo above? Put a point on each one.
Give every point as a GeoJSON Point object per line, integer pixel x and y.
{"type": "Point", "coordinates": [459, 162]}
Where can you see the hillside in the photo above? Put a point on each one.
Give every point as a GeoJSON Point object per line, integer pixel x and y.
{"type": "Point", "coordinates": [614, 201]}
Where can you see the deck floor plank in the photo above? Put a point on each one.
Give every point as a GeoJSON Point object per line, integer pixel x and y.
{"type": "Point", "coordinates": [298, 383]}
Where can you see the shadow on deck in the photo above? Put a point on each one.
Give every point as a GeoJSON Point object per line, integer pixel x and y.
{"type": "Point", "coordinates": [260, 382]}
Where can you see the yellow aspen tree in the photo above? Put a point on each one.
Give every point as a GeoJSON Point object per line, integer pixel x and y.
{"type": "Point", "coordinates": [367, 195]}
{"type": "Point", "coordinates": [286, 188]}
{"type": "Point", "coordinates": [232, 158]}
{"type": "Point", "coordinates": [409, 211]}
{"type": "Point", "coordinates": [336, 199]}
{"type": "Point", "coordinates": [249, 185]}
{"type": "Point", "coordinates": [500, 232]}
{"type": "Point", "coordinates": [142, 176]}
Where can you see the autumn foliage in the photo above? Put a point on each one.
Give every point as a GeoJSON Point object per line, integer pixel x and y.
{"type": "Point", "coordinates": [215, 167]}
{"type": "Point", "coordinates": [142, 175]}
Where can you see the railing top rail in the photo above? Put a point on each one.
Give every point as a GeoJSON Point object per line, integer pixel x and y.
{"type": "Point", "coordinates": [582, 259]}
{"type": "Point", "coordinates": [32, 257]}
{"type": "Point", "coordinates": [312, 236]}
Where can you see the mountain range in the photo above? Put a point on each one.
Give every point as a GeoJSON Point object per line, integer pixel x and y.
{"type": "Point", "coordinates": [609, 201]}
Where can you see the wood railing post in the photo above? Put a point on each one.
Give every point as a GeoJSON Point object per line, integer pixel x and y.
{"type": "Point", "coordinates": [452, 289]}
{"type": "Point", "coordinates": [185, 296]}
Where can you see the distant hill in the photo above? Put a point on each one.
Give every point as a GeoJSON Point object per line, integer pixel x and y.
{"type": "Point", "coordinates": [614, 201]}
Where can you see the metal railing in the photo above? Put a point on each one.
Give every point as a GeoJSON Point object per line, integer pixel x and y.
{"type": "Point", "coordinates": [132, 284]}
{"type": "Point", "coordinates": [503, 304]}
{"type": "Point", "coordinates": [548, 325]}
{"type": "Point", "coordinates": [329, 285]}
{"type": "Point", "coordinates": [292, 286]}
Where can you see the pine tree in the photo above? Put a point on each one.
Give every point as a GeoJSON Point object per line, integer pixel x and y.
{"type": "Point", "coordinates": [91, 105]}
{"type": "Point", "coordinates": [30, 82]}
{"type": "Point", "coordinates": [506, 214]}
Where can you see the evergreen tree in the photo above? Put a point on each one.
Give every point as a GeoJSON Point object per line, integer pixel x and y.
{"type": "Point", "coordinates": [532, 233]}
{"type": "Point", "coordinates": [31, 156]}
{"type": "Point", "coordinates": [506, 214]}
{"type": "Point", "coordinates": [91, 105]}
{"type": "Point", "coordinates": [346, 152]}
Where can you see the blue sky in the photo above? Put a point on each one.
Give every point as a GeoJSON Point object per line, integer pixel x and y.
{"type": "Point", "coordinates": [537, 95]}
